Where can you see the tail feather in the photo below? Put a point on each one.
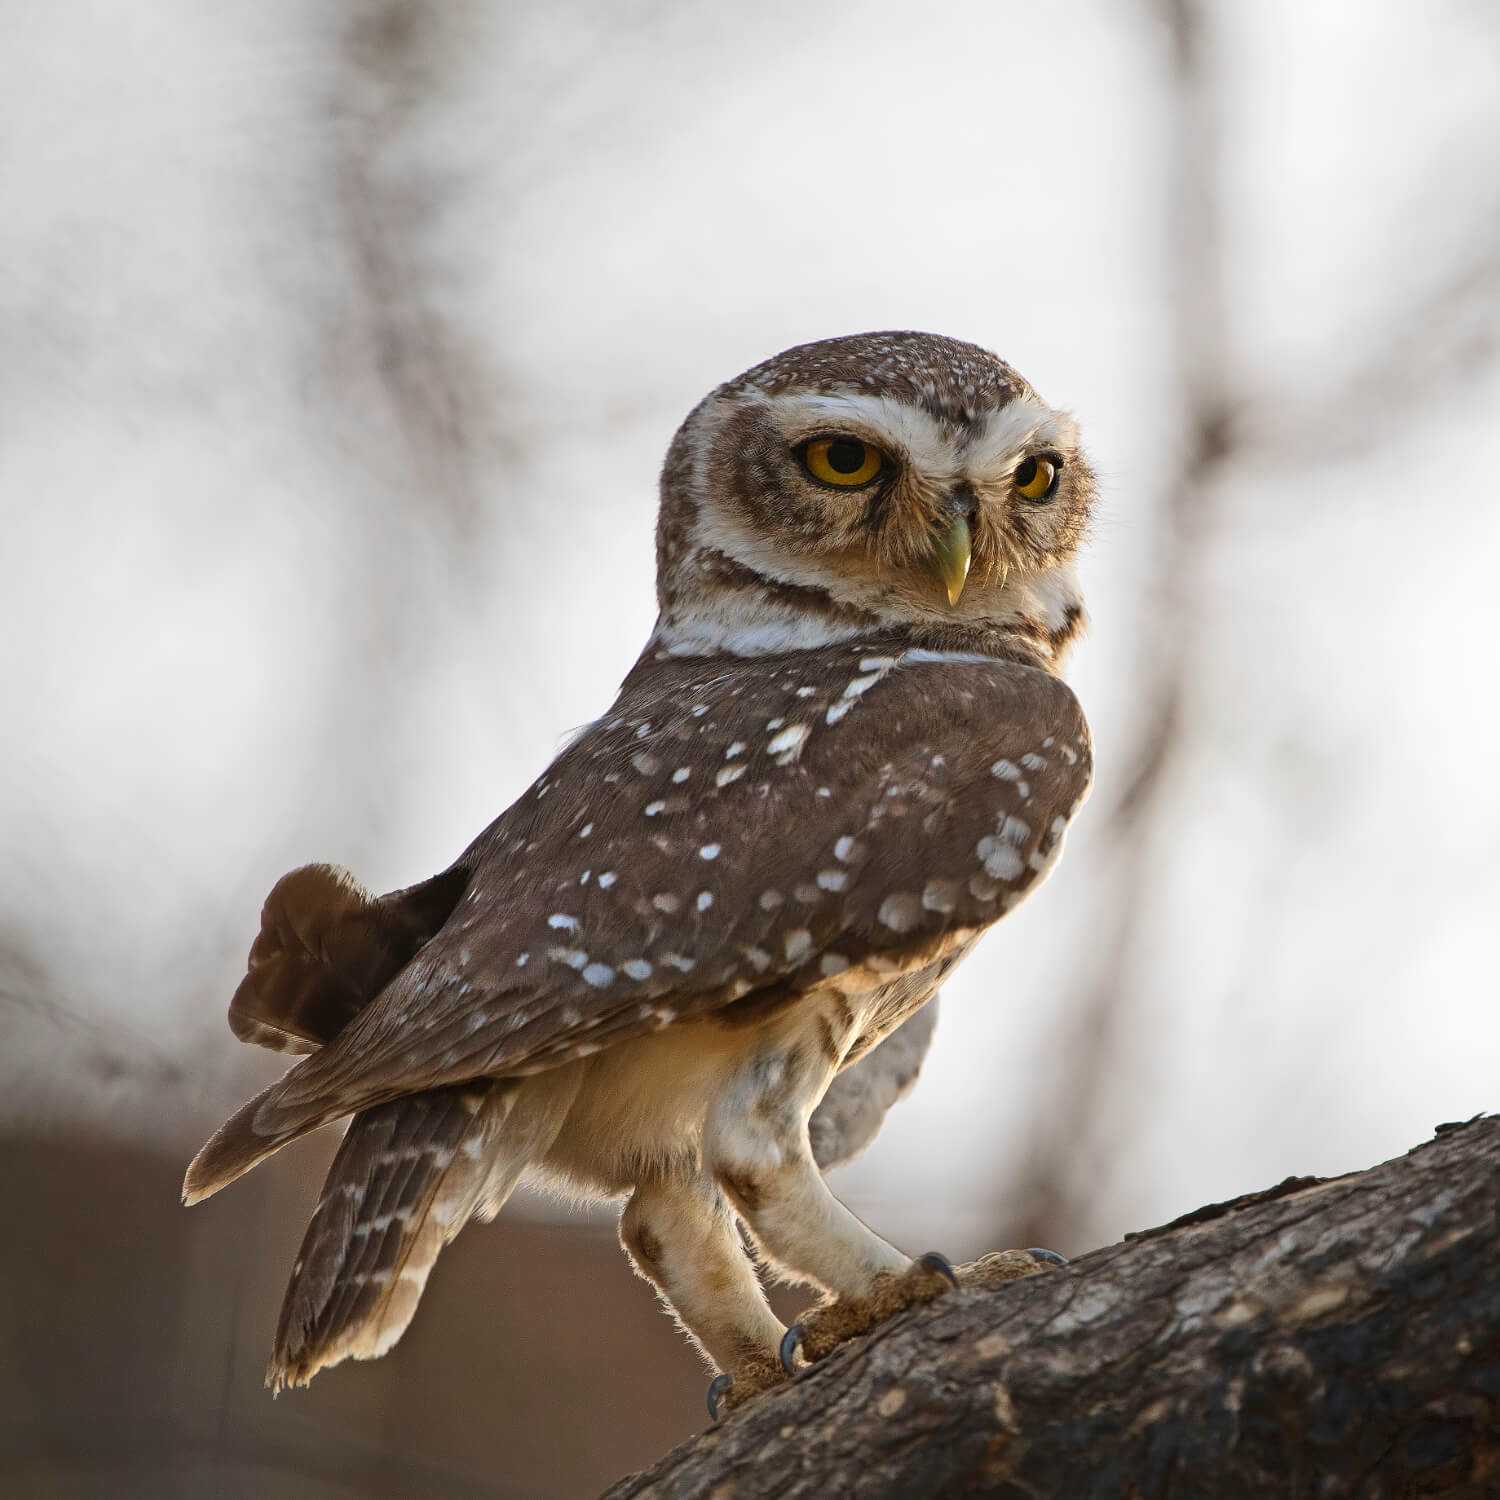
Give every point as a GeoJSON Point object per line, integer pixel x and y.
{"type": "Point", "coordinates": [326, 948]}
{"type": "Point", "coordinates": [408, 1176]}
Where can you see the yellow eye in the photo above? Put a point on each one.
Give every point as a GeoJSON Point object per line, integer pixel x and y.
{"type": "Point", "coordinates": [844, 461]}
{"type": "Point", "coordinates": [1036, 478]}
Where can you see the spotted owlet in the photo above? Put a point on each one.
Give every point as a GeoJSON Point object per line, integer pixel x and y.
{"type": "Point", "coordinates": [843, 753]}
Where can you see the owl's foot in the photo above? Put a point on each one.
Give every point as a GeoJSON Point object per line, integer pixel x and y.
{"type": "Point", "coordinates": [833, 1323]}
{"type": "Point", "coordinates": [825, 1328]}
{"type": "Point", "coordinates": [1008, 1265]}
{"type": "Point", "coordinates": [725, 1392]}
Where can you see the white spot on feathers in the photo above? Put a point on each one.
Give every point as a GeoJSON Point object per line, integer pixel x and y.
{"type": "Point", "coordinates": [652, 808]}
{"type": "Point", "coordinates": [728, 774]}
{"type": "Point", "coordinates": [607, 879]}
{"type": "Point", "coordinates": [838, 710]}
{"type": "Point", "coordinates": [709, 851]}
{"type": "Point", "coordinates": [574, 958]}
{"type": "Point", "coordinates": [681, 774]}
{"type": "Point", "coordinates": [832, 880]}
{"type": "Point", "coordinates": [900, 912]}
{"type": "Point", "coordinates": [787, 745]}
{"type": "Point", "coordinates": [1005, 770]}
{"type": "Point", "coordinates": [705, 900]}
{"type": "Point", "coordinates": [598, 975]}
{"type": "Point", "coordinates": [563, 922]}
{"type": "Point", "coordinates": [1034, 762]}
{"type": "Point", "coordinates": [737, 748]}
{"type": "Point", "coordinates": [667, 902]}
{"type": "Point", "coordinates": [832, 963]}
{"type": "Point", "coordinates": [770, 900]}
{"type": "Point", "coordinates": [798, 944]}
{"type": "Point", "coordinates": [844, 849]}
{"type": "Point", "coordinates": [940, 895]}
{"type": "Point", "coordinates": [637, 968]}
{"type": "Point", "coordinates": [1000, 859]}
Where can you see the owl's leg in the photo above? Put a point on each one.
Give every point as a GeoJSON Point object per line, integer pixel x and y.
{"type": "Point", "coordinates": [756, 1147]}
{"type": "Point", "coordinates": [682, 1237]}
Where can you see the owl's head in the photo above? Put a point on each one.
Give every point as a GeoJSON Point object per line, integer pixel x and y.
{"type": "Point", "coordinates": [863, 484]}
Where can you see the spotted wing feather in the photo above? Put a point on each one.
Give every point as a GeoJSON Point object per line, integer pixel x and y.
{"type": "Point", "coordinates": [733, 830]}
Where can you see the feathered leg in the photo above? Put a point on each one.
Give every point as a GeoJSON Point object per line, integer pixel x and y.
{"type": "Point", "coordinates": [681, 1235]}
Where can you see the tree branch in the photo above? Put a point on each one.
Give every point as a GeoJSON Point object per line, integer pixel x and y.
{"type": "Point", "coordinates": [1336, 1337]}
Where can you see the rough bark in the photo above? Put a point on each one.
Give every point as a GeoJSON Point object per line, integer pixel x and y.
{"type": "Point", "coordinates": [1324, 1338]}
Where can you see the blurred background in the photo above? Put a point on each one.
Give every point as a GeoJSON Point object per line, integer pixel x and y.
{"type": "Point", "coordinates": [339, 346]}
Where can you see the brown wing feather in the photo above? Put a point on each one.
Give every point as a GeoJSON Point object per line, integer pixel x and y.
{"type": "Point", "coordinates": [886, 801]}
{"type": "Point", "coordinates": [374, 1235]}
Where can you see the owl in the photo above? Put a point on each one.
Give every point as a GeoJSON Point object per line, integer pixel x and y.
{"type": "Point", "coordinates": [703, 938]}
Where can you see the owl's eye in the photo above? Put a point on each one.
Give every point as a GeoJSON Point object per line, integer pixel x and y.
{"type": "Point", "coordinates": [844, 461]}
{"type": "Point", "coordinates": [1036, 478]}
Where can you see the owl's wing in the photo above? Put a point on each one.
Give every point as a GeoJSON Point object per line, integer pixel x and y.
{"type": "Point", "coordinates": [851, 1113]}
{"type": "Point", "coordinates": [735, 831]}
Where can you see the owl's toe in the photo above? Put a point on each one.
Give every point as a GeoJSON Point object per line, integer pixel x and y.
{"type": "Point", "coordinates": [824, 1328]}
{"type": "Point", "coordinates": [726, 1392]}
{"type": "Point", "coordinates": [718, 1388]}
{"type": "Point", "coordinates": [1008, 1265]}
{"type": "Point", "coordinates": [935, 1261]}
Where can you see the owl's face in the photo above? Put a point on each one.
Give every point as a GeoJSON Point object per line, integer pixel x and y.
{"type": "Point", "coordinates": [869, 482]}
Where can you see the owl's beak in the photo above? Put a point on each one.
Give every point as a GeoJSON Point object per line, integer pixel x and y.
{"type": "Point", "coordinates": [950, 557]}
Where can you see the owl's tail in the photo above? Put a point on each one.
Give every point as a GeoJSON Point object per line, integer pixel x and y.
{"type": "Point", "coordinates": [411, 1171]}
{"type": "Point", "coordinates": [407, 1178]}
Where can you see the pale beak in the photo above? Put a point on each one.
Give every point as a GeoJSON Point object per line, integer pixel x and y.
{"type": "Point", "coordinates": [950, 557]}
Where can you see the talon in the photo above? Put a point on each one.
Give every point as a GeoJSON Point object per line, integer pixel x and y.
{"type": "Point", "coordinates": [791, 1342]}
{"type": "Point", "coordinates": [1050, 1256]}
{"type": "Point", "coordinates": [944, 1267]}
{"type": "Point", "coordinates": [716, 1388]}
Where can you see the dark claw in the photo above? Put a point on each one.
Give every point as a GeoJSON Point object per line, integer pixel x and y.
{"type": "Point", "coordinates": [941, 1264]}
{"type": "Point", "coordinates": [791, 1342]}
{"type": "Point", "coordinates": [716, 1388]}
{"type": "Point", "coordinates": [1050, 1256]}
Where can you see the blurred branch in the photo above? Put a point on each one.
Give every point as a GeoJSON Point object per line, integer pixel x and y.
{"type": "Point", "coordinates": [108, 1048]}
{"type": "Point", "coordinates": [1450, 337]}
{"type": "Point", "coordinates": [1336, 1337]}
{"type": "Point", "coordinates": [391, 69]}
{"type": "Point", "coordinates": [1050, 1201]}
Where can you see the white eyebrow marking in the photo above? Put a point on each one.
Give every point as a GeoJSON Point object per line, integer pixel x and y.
{"type": "Point", "coordinates": [1020, 424]}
